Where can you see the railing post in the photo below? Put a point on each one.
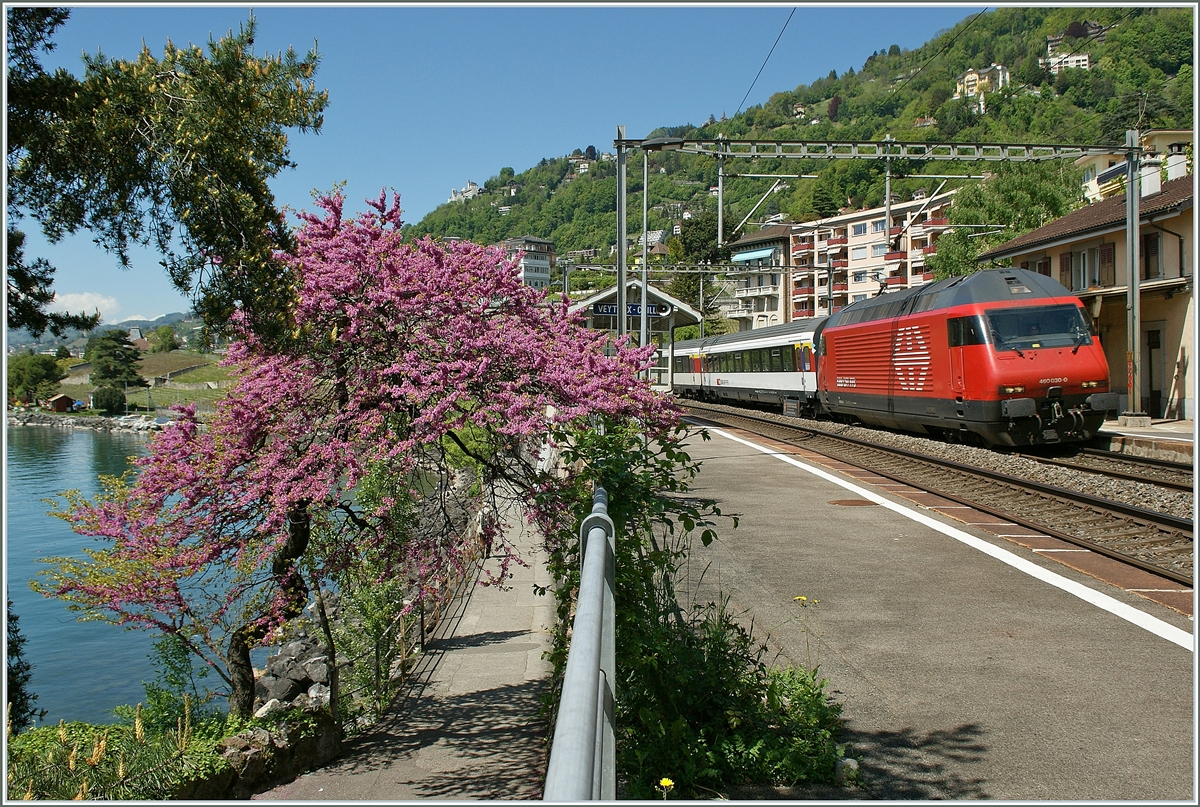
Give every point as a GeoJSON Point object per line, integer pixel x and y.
{"type": "Point", "coordinates": [582, 757]}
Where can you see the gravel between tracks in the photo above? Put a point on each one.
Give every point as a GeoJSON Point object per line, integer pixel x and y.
{"type": "Point", "coordinates": [1138, 494]}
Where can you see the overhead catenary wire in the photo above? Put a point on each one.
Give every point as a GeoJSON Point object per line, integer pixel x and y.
{"type": "Point", "coordinates": [764, 64]}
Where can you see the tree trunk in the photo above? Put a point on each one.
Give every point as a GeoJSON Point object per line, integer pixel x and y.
{"type": "Point", "coordinates": [295, 596]}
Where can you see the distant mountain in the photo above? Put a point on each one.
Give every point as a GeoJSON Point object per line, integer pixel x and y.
{"type": "Point", "coordinates": [1139, 75]}
{"type": "Point", "coordinates": [165, 319]}
{"type": "Point", "coordinates": [20, 339]}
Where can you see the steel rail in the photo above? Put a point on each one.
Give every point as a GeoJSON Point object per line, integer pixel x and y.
{"type": "Point", "coordinates": [1111, 472]}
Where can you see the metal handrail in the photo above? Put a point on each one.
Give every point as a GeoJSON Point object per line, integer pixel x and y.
{"type": "Point", "coordinates": [583, 753]}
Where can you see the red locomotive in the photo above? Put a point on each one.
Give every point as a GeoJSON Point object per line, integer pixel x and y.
{"type": "Point", "coordinates": [1005, 354]}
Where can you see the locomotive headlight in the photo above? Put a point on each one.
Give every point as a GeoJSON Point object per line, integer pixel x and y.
{"type": "Point", "coordinates": [1011, 390]}
{"type": "Point", "coordinates": [1093, 384]}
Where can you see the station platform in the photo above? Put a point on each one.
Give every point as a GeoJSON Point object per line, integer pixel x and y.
{"type": "Point", "coordinates": [1172, 440]}
{"type": "Point", "coordinates": [972, 659]}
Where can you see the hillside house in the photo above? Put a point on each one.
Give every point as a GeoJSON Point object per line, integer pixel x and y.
{"type": "Point", "coordinates": [977, 82]}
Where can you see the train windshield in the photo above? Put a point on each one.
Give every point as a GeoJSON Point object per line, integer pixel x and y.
{"type": "Point", "coordinates": [1044, 326]}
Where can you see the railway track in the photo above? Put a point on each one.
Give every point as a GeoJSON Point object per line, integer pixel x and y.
{"type": "Point", "coordinates": [1171, 475]}
{"type": "Point", "coordinates": [1157, 542]}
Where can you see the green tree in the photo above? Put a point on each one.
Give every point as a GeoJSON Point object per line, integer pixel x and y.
{"type": "Point", "coordinates": [1019, 198]}
{"type": "Point", "coordinates": [109, 400]}
{"type": "Point", "coordinates": [33, 376]}
{"type": "Point", "coordinates": [62, 352]}
{"type": "Point", "coordinates": [173, 153]}
{"type": "Point", "coordinates": [115, 361]}
{"type": "Point", "coordinates": [163, 339]}
{"type": "Point", "coordinates": [21, 709]}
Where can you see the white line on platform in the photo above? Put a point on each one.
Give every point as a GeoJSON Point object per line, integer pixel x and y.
{"type": "Point", "coordinates": [1103, 601]}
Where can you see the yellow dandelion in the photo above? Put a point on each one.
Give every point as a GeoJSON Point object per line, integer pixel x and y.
{"type": "Point", "coordinates": [665, 782]}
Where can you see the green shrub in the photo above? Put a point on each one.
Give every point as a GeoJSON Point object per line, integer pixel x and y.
{"type": "Point", "coordinates": [696, 703]}
{"type": "Point", "coordinates": [109, 400]}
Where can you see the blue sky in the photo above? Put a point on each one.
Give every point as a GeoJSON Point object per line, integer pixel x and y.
{"type": "Point", "coordinates": [424, 98]}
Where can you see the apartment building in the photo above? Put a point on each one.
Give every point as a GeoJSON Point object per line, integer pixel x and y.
{"type": "Point", "coordinates": [536, 261]}
{"type": "Point", "coordinates": [762, 280]}
{"type": "Point", "coordinates": [852, 256]}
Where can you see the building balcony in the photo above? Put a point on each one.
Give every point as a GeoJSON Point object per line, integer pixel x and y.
{"type": "Point", "coordinates": [896, 230]}
{"type": "Point", "coordinates": [802, 246]}
{"type": "Point", "coordinates": [738, 311]}
{"type": "Point", "coordinates": [803, 290]}
{"type": "Point", "coordinates": [840, 240]}
{"type": "Point", "coordinates": [839, 263]}
{"type": "Point", "coordinates": [898, 280]}
{"type": "Point", "coordinates": [892, 257]}
{"type": "Point", "coordinates": [927, 276]}
{"type": "Point", "coordinates": [929, 250]}
{"type": "Point", "coordinates": [756, 291]}
{"type": "Point", "coordinates": [841, 287]}
{"type": "Point", "coordinates": [931, 224]}
{"type": "Point", "coordinates": [802, 313]}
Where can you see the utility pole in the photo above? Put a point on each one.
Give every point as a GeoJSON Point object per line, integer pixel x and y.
{"type": "Point", "coordinates": [622, 323]}
{"type": "Point", "coordinates": [1133, 414]}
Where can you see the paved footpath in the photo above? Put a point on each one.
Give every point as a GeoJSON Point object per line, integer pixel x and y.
{"type": "Point", "coordinates": [468, 726]}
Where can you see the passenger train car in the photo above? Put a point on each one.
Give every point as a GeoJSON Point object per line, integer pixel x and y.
{"type": "Point", "coordinates": [1004, 355]}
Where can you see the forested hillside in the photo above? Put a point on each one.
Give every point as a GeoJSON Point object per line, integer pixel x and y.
{"type": "Point", "coordinates": [1140, 76]}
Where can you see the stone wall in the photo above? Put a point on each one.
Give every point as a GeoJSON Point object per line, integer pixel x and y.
{"type": "Point", "coordinates": [260, 759]}
{"type": "Point", "coordinates": [125, 423]}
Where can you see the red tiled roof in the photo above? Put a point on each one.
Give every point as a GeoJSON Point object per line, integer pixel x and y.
{"type": "Point", "coordinates": [1176, 194]}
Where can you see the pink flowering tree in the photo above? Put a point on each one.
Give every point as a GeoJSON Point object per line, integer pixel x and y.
{"type": "Point", "coordinates": [401, 355]}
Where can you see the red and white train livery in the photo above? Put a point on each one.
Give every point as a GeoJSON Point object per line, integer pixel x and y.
{"type": "Point", "coordinates": [1006, 355]}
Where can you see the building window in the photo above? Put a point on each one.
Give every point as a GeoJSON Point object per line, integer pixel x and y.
{"type": "Point", "coordinates": [878, 250]}
{"type": "Point", "coordinates": [1064, 269]}
{"type": "Point", "coordinates": [858, 229]}
{"type": "Point", "coordinates": [1151, 265]}
{"type": "Point", "coordinates": [858, 253]}
{"type": "Point", "coordinates": [878, 226]}
{"type": "Point", "coordinates": [860, 277]}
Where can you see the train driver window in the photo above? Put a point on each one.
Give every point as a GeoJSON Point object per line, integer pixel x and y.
{"type": "Point", "coordinates": [776, 360]}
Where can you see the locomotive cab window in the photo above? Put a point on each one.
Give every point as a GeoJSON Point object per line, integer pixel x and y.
{"type": "Point", "coordinates": [1042, 327]}
{"type": "Point", "coordinates": [965, 331]}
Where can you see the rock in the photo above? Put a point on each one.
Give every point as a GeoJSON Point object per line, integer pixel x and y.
{"type": "Point", "coordinates": [318, 695]}
{"type": "Point", "coordinates": [317, 669]}
{"type": "Point", "coordinates": [847, 771]}
{"type": "Point", "coordinates": [273, 705]}
{"type": "Point", "coordinates": [234, 743]}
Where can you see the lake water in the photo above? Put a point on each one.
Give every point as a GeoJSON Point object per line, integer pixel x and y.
{"type": "Point", "coordinates": [81, 670]}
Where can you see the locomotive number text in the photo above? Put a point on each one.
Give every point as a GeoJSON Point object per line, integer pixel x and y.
{"type": "Point", "coordinates": [846, 382]}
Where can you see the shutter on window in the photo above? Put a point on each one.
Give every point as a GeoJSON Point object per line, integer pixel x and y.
{"type": "Point", "coordinates": [1108, 265]}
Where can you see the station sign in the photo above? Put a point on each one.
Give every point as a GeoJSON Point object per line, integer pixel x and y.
{"type": "Point", "coordinates": [633, 309]}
